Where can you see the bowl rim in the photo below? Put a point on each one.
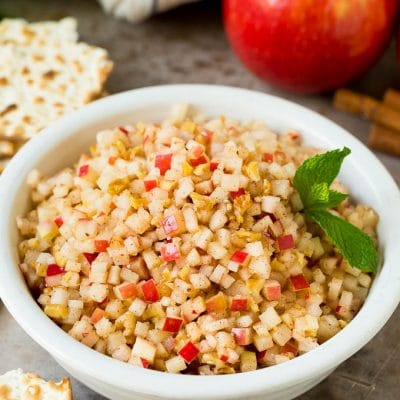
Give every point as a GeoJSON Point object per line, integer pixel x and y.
{"type": "Point", "coordinates": [127, 377]}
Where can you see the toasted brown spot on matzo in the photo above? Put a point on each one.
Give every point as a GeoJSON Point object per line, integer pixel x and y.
{"type": "Point", "coordinates": [8, 109]}
{"type": "Point", "coordinates": [4, 389]}
{"type": "Point", "coordinates": [15, 385]}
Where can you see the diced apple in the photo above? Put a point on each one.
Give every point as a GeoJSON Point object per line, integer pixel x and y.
{"type": "Point", "coordinates": [150, 184]}
{"type": "Point", "coordinates": [58, 221]}
{"type": "Point", "coordinates": [97, 315]}
{"type": "Point", "coordinates": [101, 245]}
{"type": "Point", "coordinates": [242, 336]}
{"type": "Point", "coordinates": [270, 318]}
{"type": "Point", "coordinates": [188, 352]}
{"type": "Point", "coordinates": [248, 361]}
{"type": "Point", "coordinates": [144, 349]}
{"type": "Point", "coordinates": [169, 344]}
{"type": "Point", "coordinates": [290, 348]}
{"type": "Point", "coordinates": [150, 292]}
{"type": "Point", "coordinates": [286, 242]}
{"type": "Point", "coordinates": [238, 304]}
{"type": "Point", "coordinates": [90, 257]}
{"type": "Point", "coordinates": [194, 162]}
{"type": "Point", "coordinates": [239, 257]}
{"type": "Point", "coordinates": [47, 229]}
{"type": "Point", "coordinates": [163, 162]}
{"type": "Point", "coordinates": [237, 193]}
{"type": "Point", "coordinates": [269, 204]}
{"type": "Point", "coordinates": [125, 291]}
{"type": "Point", "coordinates": [217, 303]}
{"type": "Point", "coordinates": [172, 324]}
{"type": "Point", "coordinates": [170, 252]}
{"type": "Point", "coordinates": [268, 157]}
{"type": "Point", "coordinates": [192, 308]}
{"type": "Point", "coordinates": [54, 280]}
{"type": "Point", "coordinates": [175, 364]}
{"type": "Point", "coordinates": [299, 282]}
{"type": "Point", "coordinates": [173, 224]}
{"type": "Point", "coordinates": [112, 160]}
{"type": "Point", "coordinates": [83, 170]}
{"type": "Point", "coordinates": [145, 363]}
{"type": "Point", "coordinates": [272, 290]}
{"type": "Point", "coordinates": [213, 165]}
{"type": "Point", "coordinates": [56, 311]}
{"type": "Point", "coordinates": [54, 269]}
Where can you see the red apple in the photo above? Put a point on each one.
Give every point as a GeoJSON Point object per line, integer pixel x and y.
{"type": "Point", "coordinates": [309, 45]}
{"type": "Point", "coordinates": [398, 47]}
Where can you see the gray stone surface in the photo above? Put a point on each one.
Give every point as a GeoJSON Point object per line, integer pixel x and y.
{"type": "Point", "coordinates": [188, 46]}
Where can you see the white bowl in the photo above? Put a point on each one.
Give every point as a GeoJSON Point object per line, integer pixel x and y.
{"type": "Point", "coordinates": [60, 145]}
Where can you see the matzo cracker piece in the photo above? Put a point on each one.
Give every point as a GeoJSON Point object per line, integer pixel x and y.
{"type": "Point", "coordinates": [19, 31]}
{"type": "Point", "coordinates": [3, 164]}
{"type": "Point", "coordinates": [42, 82]}
{"type": "Point", "coordinates": [7, 149]}
{"type": "Point", "coordinates": [15, 385]}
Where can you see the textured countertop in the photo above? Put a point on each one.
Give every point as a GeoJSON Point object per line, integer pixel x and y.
{"type": "Point", "coordinates": [188, 45]}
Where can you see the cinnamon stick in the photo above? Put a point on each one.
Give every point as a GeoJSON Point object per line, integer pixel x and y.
{"type": "Point", "coordinates": [384, 139]}
{"type": "Point", "coordinates": [391, 98]}
{"type": "Point", "coordinates": [375, 111]}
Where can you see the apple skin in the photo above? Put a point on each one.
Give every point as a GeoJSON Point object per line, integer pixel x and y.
{"type": "Point", "coordinates": [309, 46]}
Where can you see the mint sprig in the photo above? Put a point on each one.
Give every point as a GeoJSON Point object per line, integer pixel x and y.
{"type": "Point", "coordinates": [312, 181]}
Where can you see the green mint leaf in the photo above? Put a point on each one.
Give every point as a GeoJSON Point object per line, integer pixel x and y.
{"type": "Point", "coordinates": [324, 198]}
{"type": "Point", "coordinates": [316, 174]}
{"type": "Point", "coordinates": [335, 198]}
{"type": "Point", "coordinates": [319, 193]}
{"type": "Point", "coordinates": [354, 245]}
{"type": "Point", "coordinates": [312, 180]}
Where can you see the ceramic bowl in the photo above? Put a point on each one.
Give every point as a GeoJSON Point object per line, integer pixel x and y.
{"type": "Point", "coordinates": [61, 144]}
